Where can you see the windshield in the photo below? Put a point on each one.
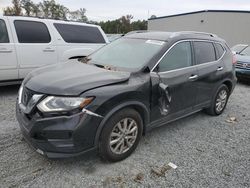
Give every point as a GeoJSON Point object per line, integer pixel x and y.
{"type": "Point", "coordinates": [126, 53]}
{"type": "Point", "coordinates": [238, 48]}
{"type": "Point", "coordinates": [246, 51]}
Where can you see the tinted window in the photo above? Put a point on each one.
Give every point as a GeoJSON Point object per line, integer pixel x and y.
{"type": "Point", "coordinates": [219, 50]}
{"type": "Point", "coordinates": [32, 32]}
{"type": "Point", "coordinates": [204, 52]}
{"type": "Point", "coordinates": [179, 56]}
{"type": "Point", "coordinates": [4, 38]}
{"type": "Point", "coordinates": [79, 33]}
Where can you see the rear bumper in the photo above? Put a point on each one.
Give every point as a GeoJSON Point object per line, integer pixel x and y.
{"type": "Point", "coordinates": [60, 136]}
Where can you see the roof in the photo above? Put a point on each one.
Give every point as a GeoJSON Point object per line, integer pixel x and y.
{"type": "Point", "coordinates": [34, 18]}
{"type": "Point", "coordinates": [201, 11]}
{"type": "Point", "coordinates": [153, 35]}
{"type": "Point", "coordinates": [165, 36]}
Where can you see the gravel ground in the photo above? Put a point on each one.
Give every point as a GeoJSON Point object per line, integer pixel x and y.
{"type": "Point", "coordinates": [209, 152]}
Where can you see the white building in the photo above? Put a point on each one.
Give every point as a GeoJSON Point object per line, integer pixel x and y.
{"type": "Point", "coordinates": [231, 25]}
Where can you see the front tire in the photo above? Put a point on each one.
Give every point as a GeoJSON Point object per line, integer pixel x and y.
{"type": "Point", "coordinates": [219, 101]}
{"type": "Point", "coordinates": [120, 135]}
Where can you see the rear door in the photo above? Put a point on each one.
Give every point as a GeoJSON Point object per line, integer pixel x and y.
{"type": "Point", "coordinates": [208, 56]}
{"type": "Point", "coordinates": [175, 94]}
{"type": "Point", "coordinates": [33, 44]}
{"type": "Point", "coordinates": [8, 60]}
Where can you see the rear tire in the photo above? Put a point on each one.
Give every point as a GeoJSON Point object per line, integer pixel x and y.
{"type": "Point", "coordinates": [219, 101]}
{"type": "Point", "coordinates": [120, 135]}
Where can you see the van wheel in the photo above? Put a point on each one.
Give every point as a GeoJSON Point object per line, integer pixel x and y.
{"type": "Point", "coordinates": [219, 102]}
{"type": "Point", "coordinates": [121, 134]}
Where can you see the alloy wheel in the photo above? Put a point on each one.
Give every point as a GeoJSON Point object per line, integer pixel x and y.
{"type": "Point", "coordinates": [123, 136]}
{"type": "Point", "coordinates": [221, 100]}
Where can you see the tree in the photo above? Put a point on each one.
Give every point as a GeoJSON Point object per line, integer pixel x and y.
{"type": "Point", "coordinates": [153, 16]}
{"type": "Point", "coordinates": [27, 5]}
{"type": "Point", "coordinates": [36, 9]}
{"type": "Point", "coordinates": [126, 23]}
{"type": "Point", "coordinates": [123, 25]}
{"type": "Point", "coordinates": [78, 15]}
{"type": "Point", "coordinates": [16, 9]}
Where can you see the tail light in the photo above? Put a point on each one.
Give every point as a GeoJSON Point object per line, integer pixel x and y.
{"type": "Point", "coordinates": [234, 60]}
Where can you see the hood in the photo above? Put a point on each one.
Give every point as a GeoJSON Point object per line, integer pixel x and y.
{"type": "Point", "coordinates": [71, 78]}
{"type": "Point", "coordinates": [243, 58]}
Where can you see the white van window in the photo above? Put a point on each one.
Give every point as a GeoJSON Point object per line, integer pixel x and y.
{"type": "Point", "coordinates": [4, 38]}
{"type": "Point", "coordinates": [32, 32]}
{"type": "Point", "coordinates": [79, 33]}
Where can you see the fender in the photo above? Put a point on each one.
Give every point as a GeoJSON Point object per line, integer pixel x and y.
{"type": "Point", "coordinates": [145, 119]}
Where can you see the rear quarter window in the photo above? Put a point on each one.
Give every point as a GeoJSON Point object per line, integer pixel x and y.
{"type": "Point", "coordinates": [219, 50]}
{"type": "Point", "coordinates": [4, 38]}
{"type": "Point", "coordinates": [79, 33]}
{"type": "Point", "coordinates": [31, 32]}
{"type": "Point", "coordinates": [204, 52]}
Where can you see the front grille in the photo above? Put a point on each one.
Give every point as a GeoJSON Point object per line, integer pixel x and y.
{"type": "Point", "coordinates": [242, 65]}
{"type": "Point", "coordinates": [26, 96]}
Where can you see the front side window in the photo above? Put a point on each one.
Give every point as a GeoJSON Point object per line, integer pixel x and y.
{"type": "Point", "coordinates": [32, 32]}
{"type": "Point", "coordinates": [204, 52]}
{"type": "Point", "coordinates": [4, 38]}
{"type": "Point", "coordinates": [127, 53]}
{"type": "Point", "coordinates": [180, 56]}
{"type": "Point", "coordinates": [79, 33]}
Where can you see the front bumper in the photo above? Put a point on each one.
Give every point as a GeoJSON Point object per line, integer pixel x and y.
{"type": "Point", "coordinates": [243, 73]}
{"type": "Point", "coordinates": [59, 136]}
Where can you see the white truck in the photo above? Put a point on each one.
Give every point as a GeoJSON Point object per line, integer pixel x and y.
{"type": "Point", "coordinates": [27, 43]}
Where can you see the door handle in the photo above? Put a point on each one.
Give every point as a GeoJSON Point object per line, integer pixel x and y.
{"type": "Point", "coordinates": [193, 77]}
{"type": "Point", "coordinates": [5, 50]}
{"type": "Point", "coordinates": [220, 69]}
{"type": "Point", "coordinates": [48, 50]}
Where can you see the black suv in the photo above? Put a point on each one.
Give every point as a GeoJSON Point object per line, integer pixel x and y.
{"type": "Point", "coordinates": [108, 100]}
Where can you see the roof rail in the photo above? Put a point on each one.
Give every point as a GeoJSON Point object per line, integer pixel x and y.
{"type": "Point", "coordinates": [136, 31]}
{"type": "Point", "coordinates": [197, 32]}
{"type": "Point", "coordinates": [39, 17]}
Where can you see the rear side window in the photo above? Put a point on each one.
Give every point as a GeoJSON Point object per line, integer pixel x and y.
{"type": "Point", "coordinates": [180, 56]}
{"type": "Point", "coordinates": [32, 32]}
{"type": "Point", "coordinates": [79, 33]}
{"type": "Point", "coordinates": [4, 38]}
{"type": "Point", "coordinates": [204, 52]}
{"type": "Point", "coordinates": [219, 50]}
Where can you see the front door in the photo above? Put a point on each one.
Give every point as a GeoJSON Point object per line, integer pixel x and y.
{"type": "Point", "coordinates": [8, 60]}
{"type": "Point", "coordinates": [174, 84]}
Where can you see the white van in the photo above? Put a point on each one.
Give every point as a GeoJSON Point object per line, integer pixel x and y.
{"type": "Point", "coordinates": [27, 43]}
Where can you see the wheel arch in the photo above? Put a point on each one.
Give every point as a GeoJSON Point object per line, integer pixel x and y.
{"type": "Point", "coordinates": [138, 106]}
{"type": "Point", "coordinates": [229, 85]}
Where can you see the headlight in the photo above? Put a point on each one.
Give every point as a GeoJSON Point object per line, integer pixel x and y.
{"type": "Point", "coordinates": [59, 104]}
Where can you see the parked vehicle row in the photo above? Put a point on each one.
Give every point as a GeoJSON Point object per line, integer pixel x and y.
{"type": "Point", "coordinates": [107, 101]}
{"type": "Point", "coordinates": [242, 55]}
{"type": "Point", "coordinates": [27, 43]}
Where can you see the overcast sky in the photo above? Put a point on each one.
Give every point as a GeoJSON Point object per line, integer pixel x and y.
{"type": "Point", "coordinates": [98, 10]}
